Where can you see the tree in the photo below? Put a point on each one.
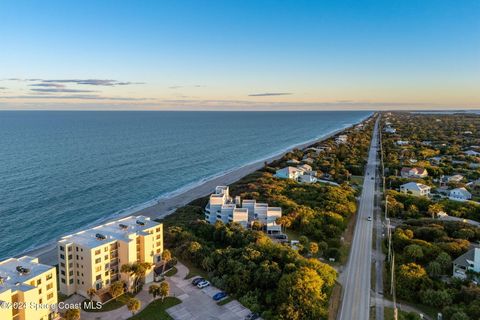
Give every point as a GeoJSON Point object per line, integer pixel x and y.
{"type": "Point", "coordinates": [137, 270]}
{"type": "Point", "coordinates": [445, 261]}
{"type": "Point", "coordinates": [302, 296]}
{"type": "Point", "coordinates": [434, 269]}
{"type": "Point", "coordinates": [434, 209]}
{"type": "Point", "coordinates": [414, 252]}
{"type": "Point", "coordinates": [154, 290]}
{"type": "Point", "coordinates": [91, 292]}
{"type": "Point", "coordinates": [208, 263]}
{"type": "Point", "coordinates": [72, 314]}
{"type": "Point", "coordinates": [166, 256]}
{"type": "Point", "coordinates": [411, 279]}
{"type": "Point", "coordinates": [133, 305]}
{"type": "Point", "coordinates": [116, 289]}
{"type": "Point", "coordinates": [460, 316]}
{"type": "Point", "coordinates": [164, 289]}
{"type": "Point", "coordinates": [313, 248]}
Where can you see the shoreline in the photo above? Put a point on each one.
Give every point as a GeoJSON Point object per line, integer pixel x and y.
{"type": "Point", "coordinates": [166, 206]}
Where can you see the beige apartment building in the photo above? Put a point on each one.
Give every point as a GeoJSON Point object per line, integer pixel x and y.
{"type": "Point", "coordinates": [92, 258]}
{"type": "Point", "coordinates": [28, 290]}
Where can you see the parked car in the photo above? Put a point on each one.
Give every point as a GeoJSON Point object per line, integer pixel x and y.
{"type": "Point", "coordinates": [219, 295]}
{"type": "Point", "coordinates": [203, 284]}
{"type": "Point", "coordinates": [369, 218]}
{"type": "Point", "coordinates": [197, 281]}
{"type": "Point", "coordinates": [252, 316]}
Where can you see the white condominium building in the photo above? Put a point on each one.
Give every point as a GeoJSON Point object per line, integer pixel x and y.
{"type": "Point", "coordinates": [92, 258]}
{"type": "Point", "coordinates": [28, 290]}
{"type": "Point", "coordinates": [221, 207]}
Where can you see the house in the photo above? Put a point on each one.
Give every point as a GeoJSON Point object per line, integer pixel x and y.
{"type": "Point", "coordinates": [288, 173]}
{"type": "Point", "coordinates": [93, 258]}
{"type": "Point", "coordinates": [390, 130]}
{"type": "Point", "coordinates": [417, 189]}
{"type": "Point", "coordinates": [402, 143]}
{"type": "Point", "coordinates": [293, 162]}
{"type": "Point", "coordinates": [414, 172]}
{"type": "Point", "coordinates": [435, 160]}
{"type": "Point", "coordinates": [469, 261]}
{"type": "Point", "coordinates": [453, 179]}
{"type": "Point", "coordinates": [308, 160]}
{"type": "Point", "coordinates": [472, 153]}
{"type": "Point", "coordinates": [30, 285]}
{"type": "Point", "coordinates": [307, 178]}
{"type": "Point", "coordinates": [459, 194]}
{"type": "Point", "coordinates": [218, 199]}
{"type": "Point", "coordinates": [343, 138]}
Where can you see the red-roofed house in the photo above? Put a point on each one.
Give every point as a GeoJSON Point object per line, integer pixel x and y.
{"type": "Point", "coordinates": [413, 172]}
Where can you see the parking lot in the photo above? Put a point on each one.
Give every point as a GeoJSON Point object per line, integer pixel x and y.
{"type": "Point", "coordinates": [198, 303]}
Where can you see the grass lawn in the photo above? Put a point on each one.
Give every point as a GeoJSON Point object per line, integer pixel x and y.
{"type": "Point", "coordinates": [156, 310]}
{"type": "Point", "coordinates": [225, 301]}
{"type": "Point", "coordinates": [193, 270]}
{"type": "Point", "coordinates": [111, 305]}
{"type": "Point", "coordinates": [171, 272]}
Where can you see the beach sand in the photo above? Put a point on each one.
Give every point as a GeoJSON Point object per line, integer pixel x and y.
{"type": "Point", "coordinates": [48, 254]}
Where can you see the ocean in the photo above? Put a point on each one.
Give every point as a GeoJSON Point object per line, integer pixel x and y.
{"type": "Point", "coordinates": [63, 170]}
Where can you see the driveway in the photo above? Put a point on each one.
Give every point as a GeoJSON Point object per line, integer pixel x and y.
{"type": "Point", "coordinates": [198, 303]}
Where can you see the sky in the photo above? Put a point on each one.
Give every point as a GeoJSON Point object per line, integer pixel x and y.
{"type": "Point", "coordinates": [239, 55]}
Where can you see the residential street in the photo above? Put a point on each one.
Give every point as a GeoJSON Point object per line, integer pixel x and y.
{"type": "Point", "coordinates": [357, 274]}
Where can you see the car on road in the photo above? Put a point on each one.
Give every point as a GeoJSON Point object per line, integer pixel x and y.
{"type": "Point", "coordinates": [373, 178]}
{"type": "Point", "coordinates": [252, 316]}
{"type": "Point", "coordinates": [369, 218]}
{"type": "Point", "coordinates": [203, 284]}
{"type": "Point", "coordinates": [219, 295]}
{"type": "Point", "coordinates": [197, 281]}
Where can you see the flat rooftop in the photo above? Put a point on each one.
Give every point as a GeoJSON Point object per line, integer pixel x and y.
{"type": "Point", "coordinates": [12, 279]}
{"type": "Point", "coordinates": [112, 231]}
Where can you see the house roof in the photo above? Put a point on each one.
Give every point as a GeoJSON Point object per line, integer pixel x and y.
{"type": "Point", "coordinates": [415, 186]}
{"type": "Point", "coordinates": [416, 170]}
{"type": "Point", "coordinates": [463, 191]}
{"type": "Point", "coordinates": [469, 255]}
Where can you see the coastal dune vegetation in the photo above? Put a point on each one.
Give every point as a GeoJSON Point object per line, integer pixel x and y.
{"type": "Point", "coordinates": [267, 276]}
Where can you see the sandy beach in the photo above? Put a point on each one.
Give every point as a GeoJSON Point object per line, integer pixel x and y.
{"type": "Point", "coordinates": [48, 254]}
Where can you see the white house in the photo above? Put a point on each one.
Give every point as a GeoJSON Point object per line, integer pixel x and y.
{"type": "Point", "coordinates": [459, 194]}
{"type": "Point", "coordinates": [288, 173]}
{"type": "Point", "coordinates": [453, 179]}
{"type": "Point", "coordinates": [390, 130]}
{"type": "Point", "coordinates": [293, 161]}
{"type": "Point", "coordinates": [307, 178]}
{"type": "Point", "coordinates": [217, 200]}
{"type": "Point", "coordinates": [472, 153]}
{"type": "Point", "coordinates": [417, 189]}
{"type": "Point", "coordinates": [343, 138]}
{"type": "Point", "coordinates": [402, 142]}
{"type": "Point", "coordinates": [469, 261]}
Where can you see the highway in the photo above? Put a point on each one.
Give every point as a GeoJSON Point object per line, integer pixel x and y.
{"type": "Point", "coordinates": [357, 274]}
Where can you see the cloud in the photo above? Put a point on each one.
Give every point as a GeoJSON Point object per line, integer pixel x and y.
{"type": "Point", "coordinates": [73, 96]}
{"type": "Point", "coordinates": [268, 94]}
{"type": "Point", "coordinates": [3, 88]}
{"type": "Point", "coordinates": [61, 90]}
{"type": "Point", "coordinates": [49, 85]}
{"type": "Point", "coordinates": [93, 82]}
{"type": "Point", "coordinates": [194, 86]}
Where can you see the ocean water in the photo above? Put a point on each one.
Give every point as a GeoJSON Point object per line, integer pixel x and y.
{"type": "Point", "coordinates": [60, 171]}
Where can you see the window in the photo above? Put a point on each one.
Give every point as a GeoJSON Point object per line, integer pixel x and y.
{"type": "Point", "coordinates": [62, 264]}
{"type": "Point", "coordinates": [158, 229]}
{"type": "Point", "coordinates": [71, 281]}
{"type": "Point", "coordinates": [39, 301]}
{"type": "Point", "coordinates": [71, 273]}
{"type": "Point", "coordinates": [63, 280]}
{"type": "Point", "coordinates": [99, 277]}
{"type": "Point", "coordinates": [62, 272]}
{"type": "Point", "coordinates": [40, 291]}
{"type": "Point", "coordinates": [39, 282]}
{"type": "Point", "coordinates": [49, 276]}
{"type": "Point", "coordinates": [62, 256]}
{"type": "Point", "coordinates": [62, 248]}
{"type": "Point", "coordinates": [98, 268]}
{"type": "Point", "coordinates": [159, 244]}
{"type": "Point", "coordinates": [50, 296]}
{"type": "Point", "coordinates": [97, 252]}
{"type": "Point", "coordinates": [105, 249]}
{"type": "Point", "coordinates": [70, 257]}
{"type": "Point", "coordinates": [98, 260]}
{"type": "Point", "coordinates": [69, 249]}
{"type": "Point", "coordinates": [49, 286]}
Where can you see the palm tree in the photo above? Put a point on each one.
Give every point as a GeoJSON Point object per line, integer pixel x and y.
{"type": "Point", "coordinates": [137, 270]}
{"type": "Point", "coordinates": [133, 305]}
{"type": "Point", "coordinates": [154, 290]}
{"type": "Point", "coordinates": [166, 256]}
{"type": "Point", "coordinates": [116, 289]}
{"type": "Point", "coordinates": [127, 269]}
{"type": "Point", "coordinates": [164, 289]}
{"type": "Point", "coordinates": [72, 314]}
{"type": "Point", "coordinates": [91, 292]}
